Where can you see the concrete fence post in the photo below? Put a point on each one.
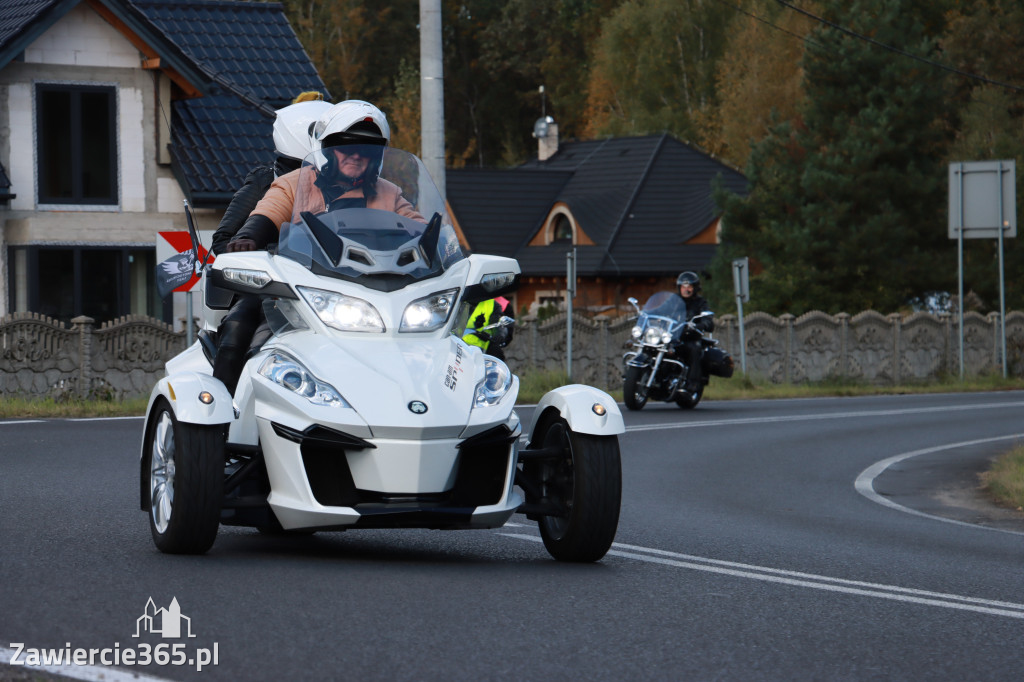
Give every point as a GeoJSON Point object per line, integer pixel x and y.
{"type": "Point", "coordinates": [997, 341]}
{"type": "Point", "coordinates": [895, 319]}
{"type": "Point", "coordinates": [844, 344]}
{"type": "Point", "coordinates": [787, 346]}
{"type": "Point", "coordinates": [83, 325]}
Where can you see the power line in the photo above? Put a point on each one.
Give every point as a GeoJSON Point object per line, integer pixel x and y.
{"type": "Point", "coordinates": [896, 50]}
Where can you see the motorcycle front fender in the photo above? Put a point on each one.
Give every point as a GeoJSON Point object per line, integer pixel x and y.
{"type": "Point", "coordinates": [183, 390]}
{"type": "Point", "coordinates": [640, 359]}
{"type": "Point", "coordinates": [576, 403]}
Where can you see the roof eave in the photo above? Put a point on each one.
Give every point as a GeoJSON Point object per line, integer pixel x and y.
{"type": "Point", "coordinates": [152, 42]}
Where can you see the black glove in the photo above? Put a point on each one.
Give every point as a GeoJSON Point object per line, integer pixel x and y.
{"type": "Point", "coordinates": [258, 229]}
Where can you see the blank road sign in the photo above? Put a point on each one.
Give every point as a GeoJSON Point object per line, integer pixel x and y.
{"type": "Point", "coordinates": [982, 194]}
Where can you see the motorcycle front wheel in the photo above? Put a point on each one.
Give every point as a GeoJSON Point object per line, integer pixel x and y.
{"type": "Point", "coordinates": [586, 481]}
{"type": "Point", "coordinates": [634, 387]}
{"type": "Point", "coordinates": [688, 401]}
{"type": "Point", "coordinates": [186, 482]}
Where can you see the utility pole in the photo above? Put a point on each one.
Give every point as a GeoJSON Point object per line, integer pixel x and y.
{"type": "Point", "coordinates": [432, 92]}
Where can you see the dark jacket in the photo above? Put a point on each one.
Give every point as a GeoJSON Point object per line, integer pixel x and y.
{"type": "Point", "coordinates": [695, 305]}
{"type": "Point", "coordinates": [256, 184]}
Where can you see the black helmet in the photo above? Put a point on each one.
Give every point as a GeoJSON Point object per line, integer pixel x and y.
{"type": "Point", "coordinates": [691, 278]}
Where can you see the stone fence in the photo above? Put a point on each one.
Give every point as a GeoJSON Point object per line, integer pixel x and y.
{"type": "Point", "coordinates": [40, 356]}
{"type": "Point", "coordinates": [866, 347]}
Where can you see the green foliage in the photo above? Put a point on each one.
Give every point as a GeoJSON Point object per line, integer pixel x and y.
{"type": "Point", "coordinates": [847, 210]}
{"type": "Point", "coordinates": [654, 67]}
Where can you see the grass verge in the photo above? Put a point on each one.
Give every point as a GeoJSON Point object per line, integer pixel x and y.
{"type": "Point", "coordinates": [48, 408]}
{"type": "Point", "coordinates": [1004, 482]}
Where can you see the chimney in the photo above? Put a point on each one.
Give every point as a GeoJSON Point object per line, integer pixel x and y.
{"type": "Point", "coordinates": [546, 132]}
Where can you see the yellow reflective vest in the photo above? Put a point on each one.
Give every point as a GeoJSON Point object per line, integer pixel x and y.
{"type": "Point", "coordinates": [481, 317]}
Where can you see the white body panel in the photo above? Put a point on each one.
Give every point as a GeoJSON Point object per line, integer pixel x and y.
{"type": "Point", "coordinates": [379, 375]}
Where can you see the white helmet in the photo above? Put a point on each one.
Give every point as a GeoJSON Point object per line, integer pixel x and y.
{"type": "Point", "coordinates": [351, 121]}
{"type": "Point", "coordinates": [292, 128]}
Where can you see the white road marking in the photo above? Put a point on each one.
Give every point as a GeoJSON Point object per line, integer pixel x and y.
{"type": "Point", "coordinates": [22, 421]}
{"type": "Point", "coordinates": [820, 417]}
{"type": "Point", "coordinates": [810, 580]}
{"type": "Point", "coordinates": [865, 483]}
{"type": "Point", "coordinates": [91, 673]}
{"type": "Point", "coordinates": [102, 419]}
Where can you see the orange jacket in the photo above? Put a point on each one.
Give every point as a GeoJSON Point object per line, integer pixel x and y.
{"type": "Point", "coordinates": [279, 201]}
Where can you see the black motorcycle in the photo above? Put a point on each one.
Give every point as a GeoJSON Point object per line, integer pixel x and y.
{"type": "Point", "coordinates": [652, 369]}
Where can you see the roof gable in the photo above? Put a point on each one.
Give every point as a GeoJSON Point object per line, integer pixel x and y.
{"type": "Point", "coordinates": [24, 21]}
{"type": "Point", "coordinates": [640, 199]}
{"type": "Point", "coordinates": [498, 209]}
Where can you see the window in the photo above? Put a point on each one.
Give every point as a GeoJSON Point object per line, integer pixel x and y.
{"type": "Point", "coordinates": [104, 283]}
{"type": "Point", "coordinates": [77, 146]}
{"type": "Point", "coordinates": [561, 230]}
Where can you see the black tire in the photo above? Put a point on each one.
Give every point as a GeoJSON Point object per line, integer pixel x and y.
{"type": "Point", "coordinates": [185, 468]}
{"type": "Point", "coordinates": [688, 401]}
{"type": "Point", "coordinates": [634, 387]}
{"type": "Point", "coordinates": [588, 482]}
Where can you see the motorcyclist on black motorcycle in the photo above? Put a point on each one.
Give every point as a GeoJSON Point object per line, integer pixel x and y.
{"type": "Point", "coordinates": [689, 346]}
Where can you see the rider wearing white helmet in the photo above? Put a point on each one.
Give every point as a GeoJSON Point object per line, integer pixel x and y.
{"type": "Point", "coordinates": [349, 142]}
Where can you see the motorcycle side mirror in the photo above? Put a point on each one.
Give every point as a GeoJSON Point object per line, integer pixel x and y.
{"type": "Point", "coordinates": [506, 321]}
{"type": "Point", "coordinates": [632, 301]}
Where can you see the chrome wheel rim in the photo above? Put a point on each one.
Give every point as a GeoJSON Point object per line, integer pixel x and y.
{"type": "Point", "coordinates": [161, 473]}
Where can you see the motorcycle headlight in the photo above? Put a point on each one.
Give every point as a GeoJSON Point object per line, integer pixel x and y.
{"type": "Point", "coordinates": [287, 372]}
{"type": "Point", "coordinates": [344, 313]}
{"type": "Point", "coordinates": [497, 380]}
{"type": "Point", "coordinates": [652, 337]}
{"type": "Point", "coordinates": [665, 337]}
{"type": "Point", "coordinates": [636, 332]}
{"type": "Point", "coordinates": [428, 314]}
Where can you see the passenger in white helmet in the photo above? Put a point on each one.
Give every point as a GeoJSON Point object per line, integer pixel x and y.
{"type": "Point", "coordinates": [292, 127]}
{"type": "Point", "coordinates": [349, 142]}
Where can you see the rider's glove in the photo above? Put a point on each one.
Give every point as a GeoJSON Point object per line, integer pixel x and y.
{"type": "Point", "coordinates": [258, 229]}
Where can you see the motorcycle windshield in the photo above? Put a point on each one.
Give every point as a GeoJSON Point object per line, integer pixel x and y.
{"type": "Point", "coordinates": [369, 214]}
{"type": "Point", "coordinates": [666, 304]}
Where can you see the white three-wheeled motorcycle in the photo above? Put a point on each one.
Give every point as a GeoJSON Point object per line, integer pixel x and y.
{"type": "Point", "coordinates": [363, 408]}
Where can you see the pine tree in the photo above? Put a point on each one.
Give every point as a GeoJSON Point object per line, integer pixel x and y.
{"type": "Point", "coordinates": [848, 204]}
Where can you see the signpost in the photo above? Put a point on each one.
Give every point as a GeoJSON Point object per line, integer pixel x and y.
{"type": "Point", "coordinates": [982, 205]}
{"type": "Point", "coordinates": [741, 287]}
{"type": "Point", "coordinates": [570, 293]}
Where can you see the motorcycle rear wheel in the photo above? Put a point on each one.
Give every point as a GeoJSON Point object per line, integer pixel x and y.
{"type": "Point", "coordinates": [634, 387]}
{"type": "Point", "coordinates": [185, 464]}
{"type": "Point", "coordinates": [587, 481]}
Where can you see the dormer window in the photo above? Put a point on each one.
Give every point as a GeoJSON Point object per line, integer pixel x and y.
{"type": "Point", "coordinates": [561, 230]}
{"type": "Point", "coordinates": [560, 227]}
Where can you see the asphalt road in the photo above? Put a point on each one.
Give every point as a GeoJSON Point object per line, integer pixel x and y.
{"type": "Point", "coordinates": [825, 539]}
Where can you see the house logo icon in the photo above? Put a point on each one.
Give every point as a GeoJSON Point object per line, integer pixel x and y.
{"type": "Point", "coordinates": [165, 622]}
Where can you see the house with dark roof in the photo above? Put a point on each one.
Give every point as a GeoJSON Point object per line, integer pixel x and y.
{"type": "Point", "coordinates": [636, 210]}
{"type": "Point", "coordinates": [112, 113]}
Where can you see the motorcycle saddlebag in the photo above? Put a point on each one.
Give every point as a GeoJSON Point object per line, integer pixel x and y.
{"type": "Point", "coordinates": [717, 362]}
